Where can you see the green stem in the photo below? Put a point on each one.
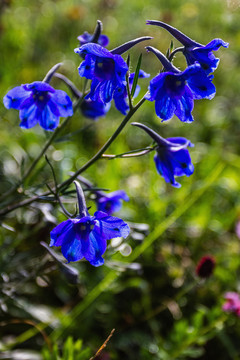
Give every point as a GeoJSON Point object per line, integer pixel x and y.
{"type": "Point", "coordinates": [130, 154]}
{"type": "Point", "coordinates": [99, 154]}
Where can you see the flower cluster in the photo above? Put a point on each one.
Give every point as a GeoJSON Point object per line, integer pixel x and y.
{"type": "Point", "coordinates": [173, 92]}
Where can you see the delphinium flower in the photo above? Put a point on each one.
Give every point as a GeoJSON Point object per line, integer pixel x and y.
{"type": "Point", "coordinates": [174, 91]}
{"type": "Point", "coordinates": [232, 303]}
{"type": "Point", "coordinates": [107, 202]}
{"type": "Point", "coordinates": [39, 102]}
{"type": "Point", "coordinates": [194, 51]}
{"type": "Point", "coordinates": [172, 158]}
{"type": "Point", "coordinates": [120, 95]}
{"type": "Point", "coordinates": [110, 202]}
{"type": "Point", "coordinates": [205, 266]}
{"type": "Point", "coordinates": [96, 37]}
{"type": "Point", "coordinates": [86, 236]}
{"type": "Point", "coordinates": [105, 68]}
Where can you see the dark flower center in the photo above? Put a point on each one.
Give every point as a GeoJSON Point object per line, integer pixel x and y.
{"type": "Point", "coordinates": [174, 85]}
{"type": "Point", "coordinates": [84, 228]}
{"type": "Point", "coordinates": [104, 68]}
{"type": "Point", "coordinates": [204, 66]}
{"type": "Point", "coordinates": [108, 205]}
{"type": "Point", "coordinates": [41, 98]}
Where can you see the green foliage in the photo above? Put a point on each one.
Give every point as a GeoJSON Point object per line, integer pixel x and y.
{"type": "Point", "coordinates": [71, 351]}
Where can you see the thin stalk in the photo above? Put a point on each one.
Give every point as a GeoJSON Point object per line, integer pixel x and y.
{"type": "Point", "coordinates": [99, 154]}
{"type": "Point", "coordinates": [130, 154]}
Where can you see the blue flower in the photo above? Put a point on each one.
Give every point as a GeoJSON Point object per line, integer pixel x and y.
{"type": "Point", "coordinates": [172, 157]}
{"type": "Point", "coordinates": [96, 37]}
{"type": "Point", "coordinates": [112, 202]}
{"type": "Point", "coordinates": [174, 91]}
{"type": "Point", "coordinates": [107, 71]}
{"type": "Point", "coordinates": [94, 109]}
{"type": "Point", "coordinates": [39, 102]}
{"type": "Point", "coordinates": [86, 236]}
{"type": "Point", "coordinates": [86, 38]}
{"type": "Point", "coordinates": [203, 54]}
{"type": "Point", "coordinates": [193, 51]}
{"type": "Point", "coordinates": [120, 95]}
{"type": "Point", "coordinates": [105, 68]}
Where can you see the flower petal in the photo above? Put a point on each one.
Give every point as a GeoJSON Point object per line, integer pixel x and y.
{"type": "Point", "coordinates": [156, 85]}
{"type": "Point", "coordinates": [61, 232]}
{"type": "Point", "coordinates": [29, 117]}
{"type": "Point", "coordinates": [112, 202]}
{"type": "Point", "coordinates": [164, 106]}
{"type": "Point", "coordinates": [103, 40]}
{"type": "Point", "coordinates": [94, 109]}
{"type": "Point", "coordinates": [201, 86]}
{"type": "Point", "coordinates": [181, 163]}
{"type": "Point", "coordinates": [93, 49]}
{"type": "Point", "coordinates": [15, 97]}
{"type": "Point", "coordinates": [64, 103]}
{"type": "Point", "coordinates": [215, 45]}
{"type": "Point", "coordinates": [39, 86]}
{"type": "Point", "coordinates": [72, 249]}
{"type": "Point", "coordinates": [184, 106]}
{"type": "Point", "coordinates": [120, 100]}
{"type": "Point", "coordinates": [86, 68]}
{"type": "Point", "coordinates": [97, 247]}
{"type": "Point", "coordinates": [48, 120]}
{"type": "Point", "coordinates": [105, 91]}
{"type": "Point", "coordinates": [164, 168]}
{"type": "Point", "coordinates": [110, 227]}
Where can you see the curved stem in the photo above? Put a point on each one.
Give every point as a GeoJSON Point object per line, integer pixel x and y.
{"type": "Point", "coordinates": [130, 154]}
{"type": "Point", "coordinates": [99, 154]}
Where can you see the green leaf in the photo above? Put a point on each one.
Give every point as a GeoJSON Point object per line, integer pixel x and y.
{"type": "Point", "coordinates": [135, 80]}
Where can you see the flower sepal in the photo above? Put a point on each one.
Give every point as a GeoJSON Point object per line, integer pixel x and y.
{"type": "Point", "coordinates": [51, 72]}
{"type": "Point", "coordinates": [128, 45]}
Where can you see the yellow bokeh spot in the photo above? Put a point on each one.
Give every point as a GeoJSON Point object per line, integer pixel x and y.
{"type": "Point", "coordinates": [189, 10]}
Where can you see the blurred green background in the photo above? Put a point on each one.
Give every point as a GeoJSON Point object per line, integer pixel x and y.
{"type": "Point", "coordinates": [158, 306]}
